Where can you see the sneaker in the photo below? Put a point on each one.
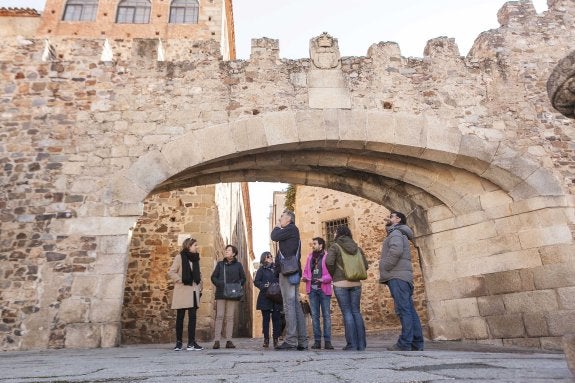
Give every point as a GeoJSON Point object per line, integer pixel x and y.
{"type": "Point", "coordinates": [178, 346]}
{"type": "Point", "coordinates": [194, 347]}
{"type": "Point", "coordinates": [216, 345]}
{"type": "Point", "coordinates": [316, 345]}
{"type": "Point", "coordinates": [285, 347]}
{"type": "Point", "coordinates": [328, 345]}
{"type": "Point", "coordinates": [229, 344]}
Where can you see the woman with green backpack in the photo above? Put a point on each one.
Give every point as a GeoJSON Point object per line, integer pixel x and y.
{"type": "Point", "coordinates": [347, 264]}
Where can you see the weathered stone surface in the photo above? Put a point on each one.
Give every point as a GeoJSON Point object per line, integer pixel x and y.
{"type": "Point", "coordinates": [474, 328]}
{"type": "Point", "coordinates": [491, 305]}
{"type": "Point", "coordinates": [536, 324]}
{"type": "Point", "coordinates": [561, 322]}
{"type": "Point", "coordinates": [561, 86]}
{"type": "Point", "coordinates": [569, 350]}
{"type": "Point", "coordinates": [555, 275]}
{"type": "Point", "coordinates": [506, 326]}
{"type": "Point", "coordinates": [566, 298]}
{"type": "Point", "coordinates": [329, 98]}
{"type": "Point", "coordinates": [83, 335]}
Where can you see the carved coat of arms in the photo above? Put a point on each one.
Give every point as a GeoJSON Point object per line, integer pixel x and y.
{"type": "Point", "coordinates": [324, 51]}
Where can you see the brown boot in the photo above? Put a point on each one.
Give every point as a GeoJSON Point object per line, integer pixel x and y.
{"type": "Point", "coordinates": [229, 344]}
{"type": "Point", "coordinates": [276, 342]}
{"type": "Point", "coordinates": [216, 345]}
{"type": "Point", "coordinates": [266, 343]}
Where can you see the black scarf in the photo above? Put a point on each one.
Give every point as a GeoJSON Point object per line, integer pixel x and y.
{"type": "Point", "coordinates": [190, 275]}
{"type": "Point", "coordinates": [315, 257]}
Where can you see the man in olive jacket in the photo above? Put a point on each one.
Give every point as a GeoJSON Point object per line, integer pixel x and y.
{"type": "Point", "coordinates": [396, 272]}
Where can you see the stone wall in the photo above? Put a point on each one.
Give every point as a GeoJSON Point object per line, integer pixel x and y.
{"type": "Point", "coordinates": [315, 206]}
{"type": "Point", "coordinates": [470, 144]}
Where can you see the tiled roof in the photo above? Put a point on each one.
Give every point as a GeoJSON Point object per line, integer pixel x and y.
{"type": "Point", "coordinates": [18, 12]}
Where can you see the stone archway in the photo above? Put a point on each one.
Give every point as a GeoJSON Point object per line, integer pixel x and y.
{"type": "Point", "coordinates": [458, 212]}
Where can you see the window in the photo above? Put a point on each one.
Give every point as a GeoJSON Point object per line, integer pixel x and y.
{"type": "Point", "coordinates": [330, 227]}
{"type": "Point", "coordinates": [134, 12]}
{"type": "Point", "coordinates": [80, 10]}
{"type": "Point", "coordinates": [184, 12]}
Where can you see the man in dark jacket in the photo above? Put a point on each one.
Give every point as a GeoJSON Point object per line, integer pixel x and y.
{"type": "Point", "coordinates": [286, 234]}
{"type": "Point", "coordinates": [396, 272]}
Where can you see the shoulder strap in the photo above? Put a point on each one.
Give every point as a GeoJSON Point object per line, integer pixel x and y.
{"type": "Point", "coordinates": [341, 251]}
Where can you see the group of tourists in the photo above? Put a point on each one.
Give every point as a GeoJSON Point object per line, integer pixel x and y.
{"type": "Point", "coordinates": [337, 270]}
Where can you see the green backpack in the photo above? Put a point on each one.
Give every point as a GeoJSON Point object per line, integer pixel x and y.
{"type": "Point", "coordinates": [353, 266]}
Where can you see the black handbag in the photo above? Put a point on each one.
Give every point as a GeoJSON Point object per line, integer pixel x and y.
{"type": "Point", "coordinates": [232, 291]}
{"type": "Point", "coordinates": [274, 293]}
{"type": "Point", "coordinates": [289, 265]}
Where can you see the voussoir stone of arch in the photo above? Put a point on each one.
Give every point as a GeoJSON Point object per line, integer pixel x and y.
{"type": "Point", "coordinates": [442, 142]}
{"type": "Point", "coordinates": [475, 154]}
{"type": "Point", "coordinates": [391, 169]}
{"type": "Point", "coordinates": [380, 130]}
{"type": "Point", "coordinates": [410, 135]}
{"type": "Point", "coordinates": [183, 152]}
{"type": "Point", "coordinates": [280, 128]}
{"type": "Point", "coordinates": [352, 125]}
{"type": "Point", "coordinates": [249, 134]}
{"type": "Point", "coordinates": [149, 170]}
{"type": "Point", "coordinates": [215, 141]}
{"type": "Point", "coordinates": [561, 86]}
{"type": "Point", "coordinates": [125, 191]}
{"type": "Point", "coordinates": [310, 125]}
{"type": "Point", "coordinates": [540, 182]}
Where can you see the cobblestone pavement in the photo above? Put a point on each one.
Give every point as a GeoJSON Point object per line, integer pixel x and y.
{"type": "Point", "coordinates": [249, 362]}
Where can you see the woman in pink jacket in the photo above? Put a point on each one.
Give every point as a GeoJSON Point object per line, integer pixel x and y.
{"type": "Point", "coordinates": [318, 286]}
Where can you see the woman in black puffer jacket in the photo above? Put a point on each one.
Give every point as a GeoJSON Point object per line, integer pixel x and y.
{"type": "Point", "coordinates": [264, 277]}
{"type": "Point", "coordinates": [234, 273]}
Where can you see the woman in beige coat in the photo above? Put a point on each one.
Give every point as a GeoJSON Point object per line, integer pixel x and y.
{"type": "Point", "coordinates": [185, 272]}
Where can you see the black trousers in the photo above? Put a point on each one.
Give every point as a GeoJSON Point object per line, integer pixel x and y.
{"type": "Point", "coordinates": [180, 314]}
{"type": "Point", "coordinates": [276, 323]}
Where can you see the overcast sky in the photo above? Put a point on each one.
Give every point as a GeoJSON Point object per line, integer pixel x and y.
{"type": "Point", "coordinates": [357, 25]}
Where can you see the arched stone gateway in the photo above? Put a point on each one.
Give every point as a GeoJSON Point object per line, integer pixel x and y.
{"type": "Point", "coordinates": [468, 146]}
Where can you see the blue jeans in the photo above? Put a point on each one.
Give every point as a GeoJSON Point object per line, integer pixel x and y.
{"type": "Point", "coordinates": [317, 300]}
{"type": "Point", "coordinates": [296, 329]}
{"type": "Point", "coordinates": [411, 337]}
{"type": "Point", "coordinates": [348, 299]}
